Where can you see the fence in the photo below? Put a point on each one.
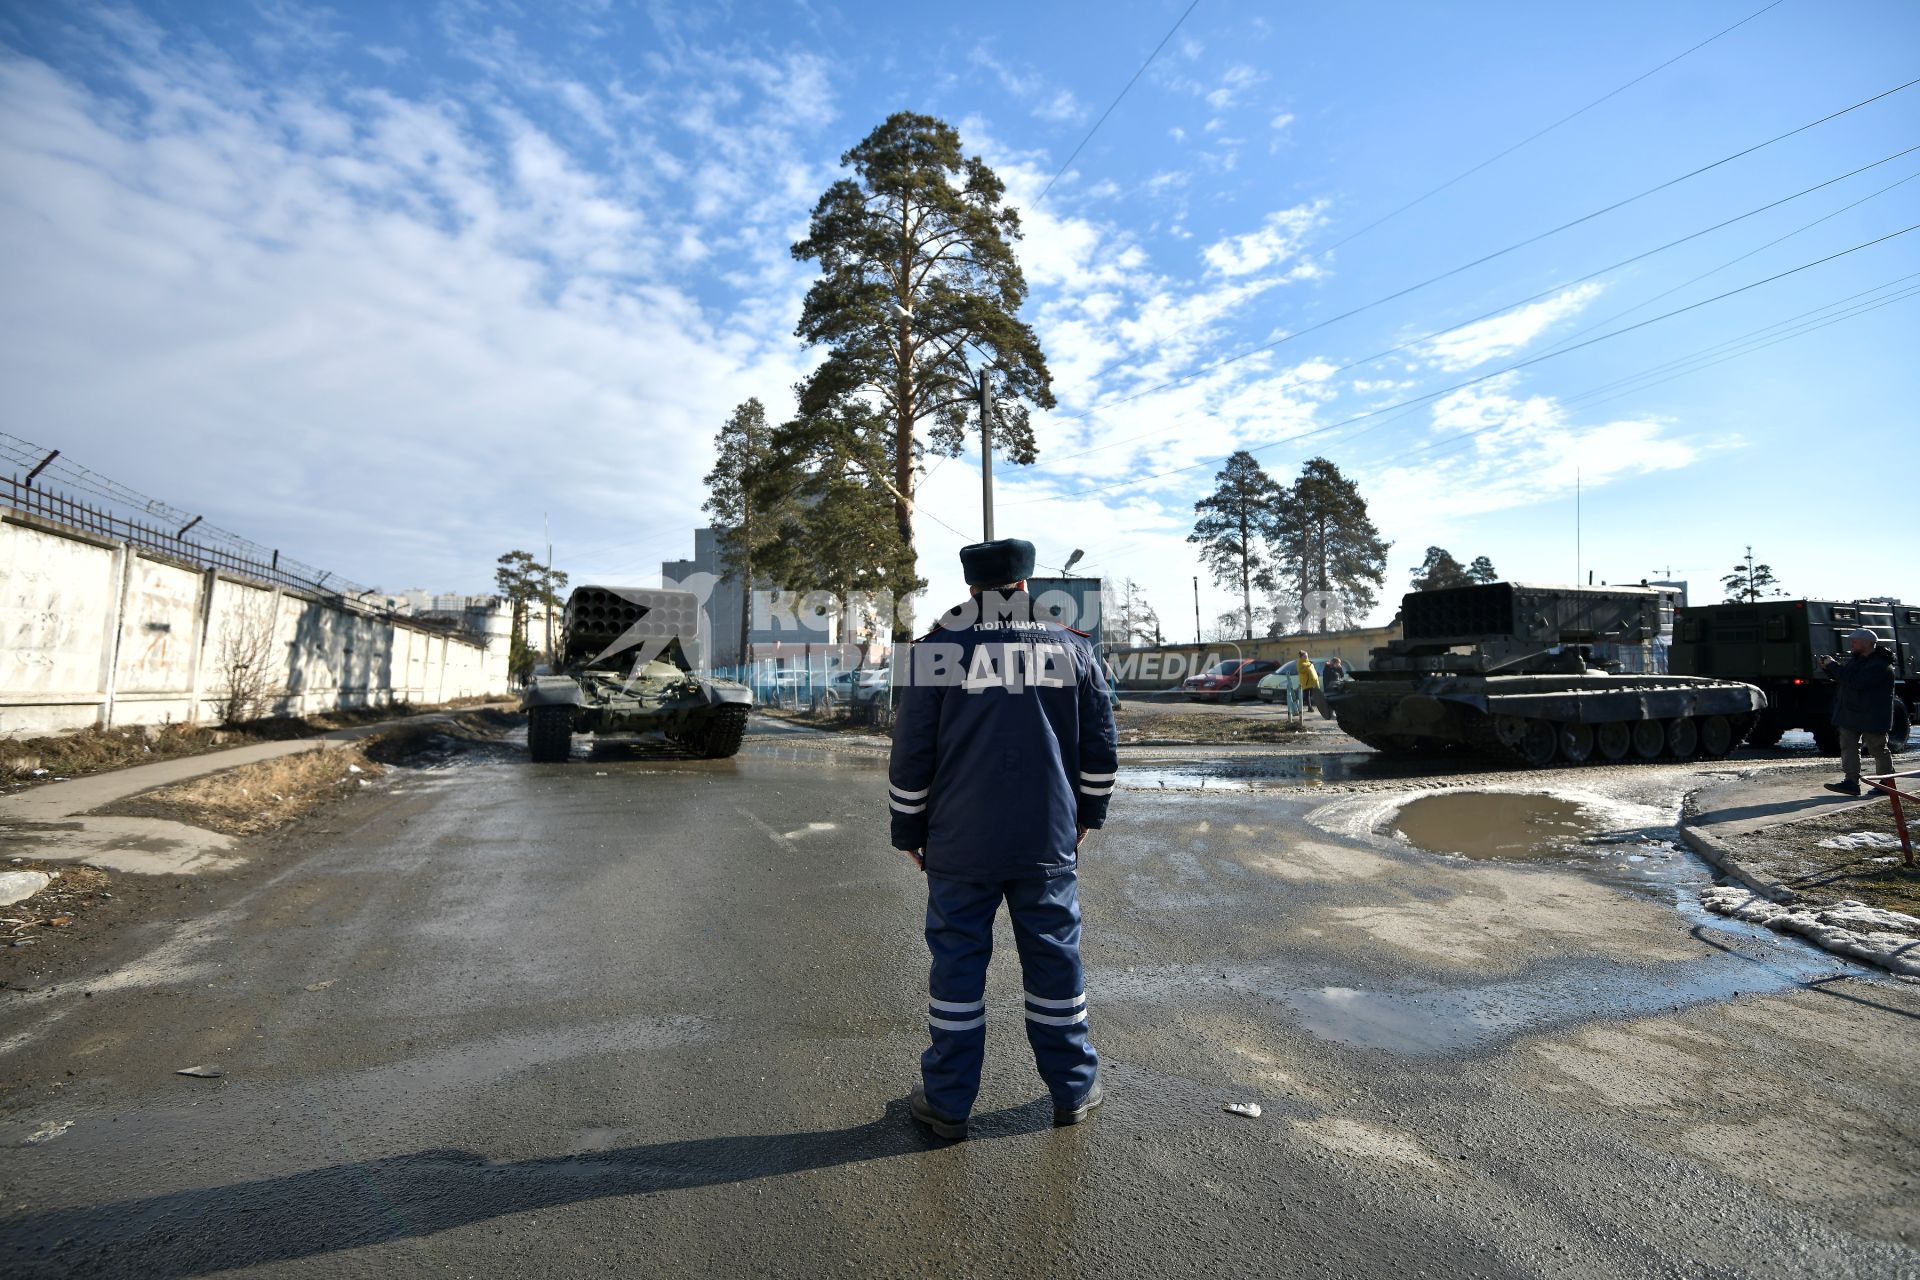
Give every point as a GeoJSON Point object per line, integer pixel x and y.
{"type": "Point", "coordinates": [20, 494]}
{"type": "Point", "coordinates": [106, 620]}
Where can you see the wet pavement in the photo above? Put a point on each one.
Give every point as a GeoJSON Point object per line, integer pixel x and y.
{"type": "Point", "coordinates": [653, 1015]}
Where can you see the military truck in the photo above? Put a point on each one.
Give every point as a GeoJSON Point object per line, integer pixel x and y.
{"type": "Point", "coordinates": [1775, 645]}
{"type": "Point", "coordinates": [1508, 670]}
{"type": "Point", "coordinates": [623, 668]}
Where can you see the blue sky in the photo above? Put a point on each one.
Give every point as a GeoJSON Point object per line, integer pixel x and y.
{"type": "Point", "coordinates": [385, 286]}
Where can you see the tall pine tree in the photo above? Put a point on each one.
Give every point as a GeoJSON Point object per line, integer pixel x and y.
{"type": "Point", "coordinates": [1332, 555]}
{"type": "Point", "coordinates": [918, 289]}
{"type": "Point", "coordinates": [1238, 525]}
{"type": "Point", "coordinates": [745, 514]}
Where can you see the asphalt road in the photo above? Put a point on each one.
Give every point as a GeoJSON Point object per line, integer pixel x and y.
{"type": "Point", "coordinates": [648, 1016]}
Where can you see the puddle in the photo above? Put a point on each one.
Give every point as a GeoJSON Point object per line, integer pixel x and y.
{"type": "Point", "coordinates": [1245, 774]}
{"type": "Point", "coordinates": [1480, 824]}
{"type": "Point", "coordinates": [1467, 1018]}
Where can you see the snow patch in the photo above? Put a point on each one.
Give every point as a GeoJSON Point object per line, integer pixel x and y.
{"type": "Point", "coordinates": [1889, 939]}
{"type": "Point", "coordinates": [1863, 840]}
{"type": "Point", "coordinates": [18, 886]}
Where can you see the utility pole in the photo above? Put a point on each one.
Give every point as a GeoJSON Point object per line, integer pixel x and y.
{"type": "Point", "coordinates": [986, 454]}
{"type": "Point", "coordinates": [1196, 609]}
{"type": "Point", "coordinates": [1576, 526]}
{"type": "Point", "coordinates": [546, 587]}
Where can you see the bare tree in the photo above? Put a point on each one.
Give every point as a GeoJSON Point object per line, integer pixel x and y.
{"type": "Point", "coordinates": [245, 657]}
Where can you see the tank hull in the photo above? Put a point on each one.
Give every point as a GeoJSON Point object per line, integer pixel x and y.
{"type": "Point", "coordinates": [1542, 719]}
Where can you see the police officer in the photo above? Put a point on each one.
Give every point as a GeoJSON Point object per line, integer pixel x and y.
{"type": "Point", "coordinates": [1004, 756]}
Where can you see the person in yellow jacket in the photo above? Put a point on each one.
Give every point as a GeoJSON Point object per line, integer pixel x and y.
{"type": "Point", "coordinates": [1310, 685]}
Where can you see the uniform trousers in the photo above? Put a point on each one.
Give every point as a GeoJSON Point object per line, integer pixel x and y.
{"type": "Point", "coordinates": [1045, 913]}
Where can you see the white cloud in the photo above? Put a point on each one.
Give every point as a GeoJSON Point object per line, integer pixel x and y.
{"type": "Point", "coordinates": [1279, 239]}
{"type": "Point", "coordinates": [374, 311]}
{"type": "Point", "coordinates": [1282, 120]}
{"type": "Point", "coordinates": [1061, 108]}
{"type": "Point", "coordinates": [1503, 335]}
{"type": "Point", "coordinates": [1237, 80]}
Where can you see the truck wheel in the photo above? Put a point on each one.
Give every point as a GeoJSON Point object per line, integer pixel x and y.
{"type": "Point", "coordinates": [1766, 732]}
{"type": "Point", "coordinates": [1683, 738]}
{"type": "Point", "coordinates": [1902, 727]}
{"type": "Point", "coordinates": [550, 734]}
{"type": "Point", "coordinates": [1613, 740]}
{"type": "Point", "coordinates": [1826, 739]}
{"type": "Point", "coordinates": [1717, 737]}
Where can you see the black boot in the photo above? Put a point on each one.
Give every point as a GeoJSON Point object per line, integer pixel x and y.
{"type": "Point", "coordinates": [1075, 1114]}
{"type": "Point", "coordinates": [952, 1130]}
{"type": "Point", "coordinates": [1844, 788]}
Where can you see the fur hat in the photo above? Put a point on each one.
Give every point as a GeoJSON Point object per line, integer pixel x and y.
{"type": "Point", "coordinates": [995, 564]}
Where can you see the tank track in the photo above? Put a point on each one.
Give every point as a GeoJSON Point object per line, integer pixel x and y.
{"type": "Point", "coordinates": [718, 734]}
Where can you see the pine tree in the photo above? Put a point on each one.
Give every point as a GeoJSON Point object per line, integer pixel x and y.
{"type": "Point", "coordinates": [918, 287]}
{"type": "Point", "coordinates": [1239, 522]}
{"type": "Point", "coordinates": [1330, 551]}
{"type": "Point", "coordinates": [1439, 570]}
{"type": "Point", "coordinates": [522, 580]}
{"type": "Point", "coordinates": [743, 451]}
{"type": "Point", "coordinates": [1482, 571]}
{"type": "Point", "coordinates": [1749, 581]}
{"type": "Point", "coordinates": [829, 517]}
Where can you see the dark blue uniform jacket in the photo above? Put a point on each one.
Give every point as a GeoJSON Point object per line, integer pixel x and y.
{"type": "Point", "coordinates": [1003, 744]}
{"type": "Point", "coordinates": [1863, 692]}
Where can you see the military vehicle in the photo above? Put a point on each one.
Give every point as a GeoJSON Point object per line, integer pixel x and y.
{"type": "Point", "coordinates": [1508, 670]}
{"type": "Point", "coordinates": [1775, 645]}
{"type": "Point", "coordinates": [623, 668]}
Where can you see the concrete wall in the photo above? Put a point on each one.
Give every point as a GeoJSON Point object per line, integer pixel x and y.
{"type": "Point", "coordinates": [93, 632]}
{"type": "Point", "coordinates": [1167, 665]}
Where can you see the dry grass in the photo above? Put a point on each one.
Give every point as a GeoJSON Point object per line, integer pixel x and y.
{"type": "Point", "coordinates": [257, 798]}
{"type": "Point", "coordinates": [24, 761]}
{"type": "Point", "coordinates": [1153, 722]}
{"type": "Point", "coordinates": [1791, 854]}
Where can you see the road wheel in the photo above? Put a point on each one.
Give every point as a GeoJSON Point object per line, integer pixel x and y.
{"type": "Point", "coordinates": [1649, 739]}
{"type": "Point", "coordinates": [1576, 742]}
{"type": "Point", "coordinates": [1902, 730]}
{"type": "Point", "coordinates": [550, 734]}
{"type": "Point", "coordinates": [1826, 739]}
{"type": "Point", "coordinates": [1683, 738]}
{"type": "Point", "coordinates": [1766, 732]}
{"type": "Point", "coordinates": [1539, 743]}
{"type": "Point", "coordinates": [1717, 737]}
{"type": "Point", "coordinates": [1613, 739]}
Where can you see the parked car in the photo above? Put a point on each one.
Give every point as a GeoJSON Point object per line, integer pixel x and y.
{"type": "Point", "coordinates": [851, 689]}
{"type": "Point", "coordinates": [1274, 688]}
{"type": "Point", "coordinates": [1235, 680]}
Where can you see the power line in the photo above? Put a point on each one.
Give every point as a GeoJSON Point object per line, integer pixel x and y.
{"type": "Point", "coordinates": [1849, 314]}
{"type": "Point", "coordinates": [1123, 93]}
{"type": "Point", "coordinates": [1566, 284]}
{"type": "Point", "coordinates": [1498, 253]}
{"type": "Point", "coordinates": [1475, 381]}
{"type": "Point", "coordinates": [1664, 366]}
{"type": "Point", "coordinates": [1613, 93]}
{"type": "Point", "coordinates": [1667, 293]}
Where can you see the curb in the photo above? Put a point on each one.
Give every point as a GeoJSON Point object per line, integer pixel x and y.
{"type": "Point", "coordinates": [1716, 853]}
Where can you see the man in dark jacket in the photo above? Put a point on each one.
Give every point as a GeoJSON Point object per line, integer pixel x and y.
{"type": "Point", "coordinates": [1862, 706]}
{"type": "Point", "coordinates": [1004, 755]}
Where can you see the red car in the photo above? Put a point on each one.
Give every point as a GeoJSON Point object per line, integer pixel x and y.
{"type": "Point", "coordinates": [1235, 680]}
